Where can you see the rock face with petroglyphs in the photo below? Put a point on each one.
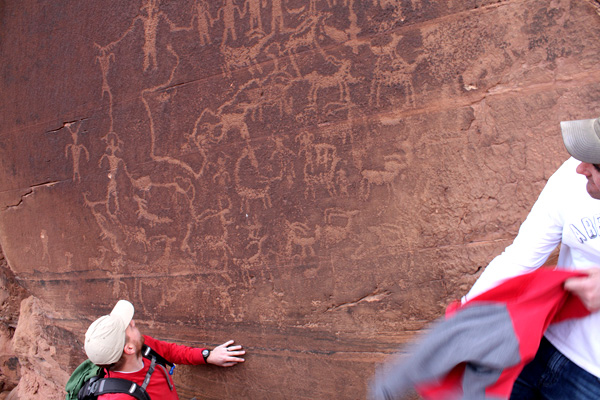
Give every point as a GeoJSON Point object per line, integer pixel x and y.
{"type": "Point", "coordinates": [315, 179]}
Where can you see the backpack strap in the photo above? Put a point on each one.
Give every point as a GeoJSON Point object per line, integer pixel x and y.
{"type": "Point", "coordinates": [149, 373]}
{"type": "Point", "coordinates": [97, 386]}
{"type": "Point", "coordinates": [148, 352]}
{"type": "Point", "coordinates": [165, 366]}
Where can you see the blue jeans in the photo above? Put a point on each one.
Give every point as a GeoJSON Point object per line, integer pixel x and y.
{"type": "Point", "coordinates": [552, 376]}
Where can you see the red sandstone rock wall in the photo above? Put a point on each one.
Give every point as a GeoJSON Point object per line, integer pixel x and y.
{"type": "Point", "coordinates": [315, 179]}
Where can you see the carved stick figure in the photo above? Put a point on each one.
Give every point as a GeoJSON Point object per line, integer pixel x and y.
{"type": "Point", "coordinates": [76, 150]}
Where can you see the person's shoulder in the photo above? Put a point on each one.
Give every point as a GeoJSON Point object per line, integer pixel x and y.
{"type": "Point", "coordinates": [568, 166]}
{"type": "Point", "coordinates": [150, 341]}
{"type": "Point", "coordinates": [567, 172]}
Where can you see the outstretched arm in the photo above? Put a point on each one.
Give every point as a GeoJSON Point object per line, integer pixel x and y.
{"type": "Point", "coordinates": [226, 355]}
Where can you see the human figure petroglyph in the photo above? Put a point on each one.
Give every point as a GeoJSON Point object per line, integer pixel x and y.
{"type": "Point", "coordinates": [150, 22]}
{"type": "Point", "coordinates": [113, 144]}
{"type": "Point", "coordinates": [166, 243]}
{"type": "Point", "coordinates": [222, 176]}
{"type": "Point", "coordinates": [204, 22]}
{"type": "Point", "coordinates": [44, 238]}
{"type": "Point", "coordinates": [277, 16]}
{"type": "Point", "coordinates": [305, 140]}
{"type": "Point", "coordinates": [227, 13]}
{"type": "Point", "coordinates": [68, 260]}
{"type": "Point", "coordinates": [320, 168]}
{"type": "Point", "coordinates": [353, 30]}
{"type": "Point", "coordinates": [76, 149]}
{"type": "Point", "coordinates": [349, 37]}
{"type": "Point", "coordinates": [279, 162]}
{"type": "Point", "coordinates": [254, 9]}
{"type": "Point", "coordinates": [104, 59]}
{"type": "Point", "coordinates": [342, 182]}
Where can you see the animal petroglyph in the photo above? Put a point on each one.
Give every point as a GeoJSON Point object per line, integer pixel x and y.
{"type": "Point", "coordinates": [104, 222]}
{"type": "Point", "coordinates": [338, 226]}
{"type": "Point", "coordinates": [391, 70]}
{"type": "Point", "coordinates": [340, 80]}
{"type": "Point", "coordinates": [215, 240]}
{"type": "Point", "coordinates": [217, 144]}
{"type": "Point", "coordinates": [299, 236]}
{"type": "Point", "coordinates": [392, 166]}
{"type": "Point", "coordinates": [250, 184]}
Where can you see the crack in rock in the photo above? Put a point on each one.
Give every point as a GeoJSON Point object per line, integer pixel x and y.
{"type": "Point", "coordinates": [375, 296]}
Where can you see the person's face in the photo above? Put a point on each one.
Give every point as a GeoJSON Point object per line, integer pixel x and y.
{"type": "Point", "coordinates": [592, 173]}
{"type": "Point", "coordinates": [133, 335]}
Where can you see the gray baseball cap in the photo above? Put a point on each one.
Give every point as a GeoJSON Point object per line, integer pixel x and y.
{"type": "Point", "coordinates": [582, 139]}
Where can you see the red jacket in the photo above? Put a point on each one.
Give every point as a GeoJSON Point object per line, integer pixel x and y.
{"type": "Point", "coordinates": [158, 388]}
{"type": "Point", "coordinates": [480, 349]}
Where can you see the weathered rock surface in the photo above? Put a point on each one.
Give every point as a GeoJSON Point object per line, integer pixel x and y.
{"type": "Point", "coordinates": [11, 295]}
{"type": "Point", "coordinates": [43, 350]}
{"type": "Point", "coordinates": [315, 179]}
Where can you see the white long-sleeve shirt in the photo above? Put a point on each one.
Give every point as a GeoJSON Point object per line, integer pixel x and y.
{"type": "Point", "coordinates": [564, 214]}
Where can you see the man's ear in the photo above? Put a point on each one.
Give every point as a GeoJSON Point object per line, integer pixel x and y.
{"type": "Point", "coordinates": [129, 348]}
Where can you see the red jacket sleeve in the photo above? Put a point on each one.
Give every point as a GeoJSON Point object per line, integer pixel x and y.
{"type": "Point", "coordinates": [176, 353]}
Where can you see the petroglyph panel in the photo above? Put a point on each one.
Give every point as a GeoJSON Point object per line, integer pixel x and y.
{"type": "Point", "coordinates": [316, 179]}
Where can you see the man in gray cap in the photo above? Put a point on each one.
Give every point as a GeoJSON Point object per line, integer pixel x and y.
{"type": "Point", "coordinates": [115, 343]}
{"type": "Point", "coordinates": [567, 213]}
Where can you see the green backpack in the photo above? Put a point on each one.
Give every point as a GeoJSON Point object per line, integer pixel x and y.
{"type": "Point", "coordinates": [87, 381]}
{"type": "Point", "coordinates": [84, 372]}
